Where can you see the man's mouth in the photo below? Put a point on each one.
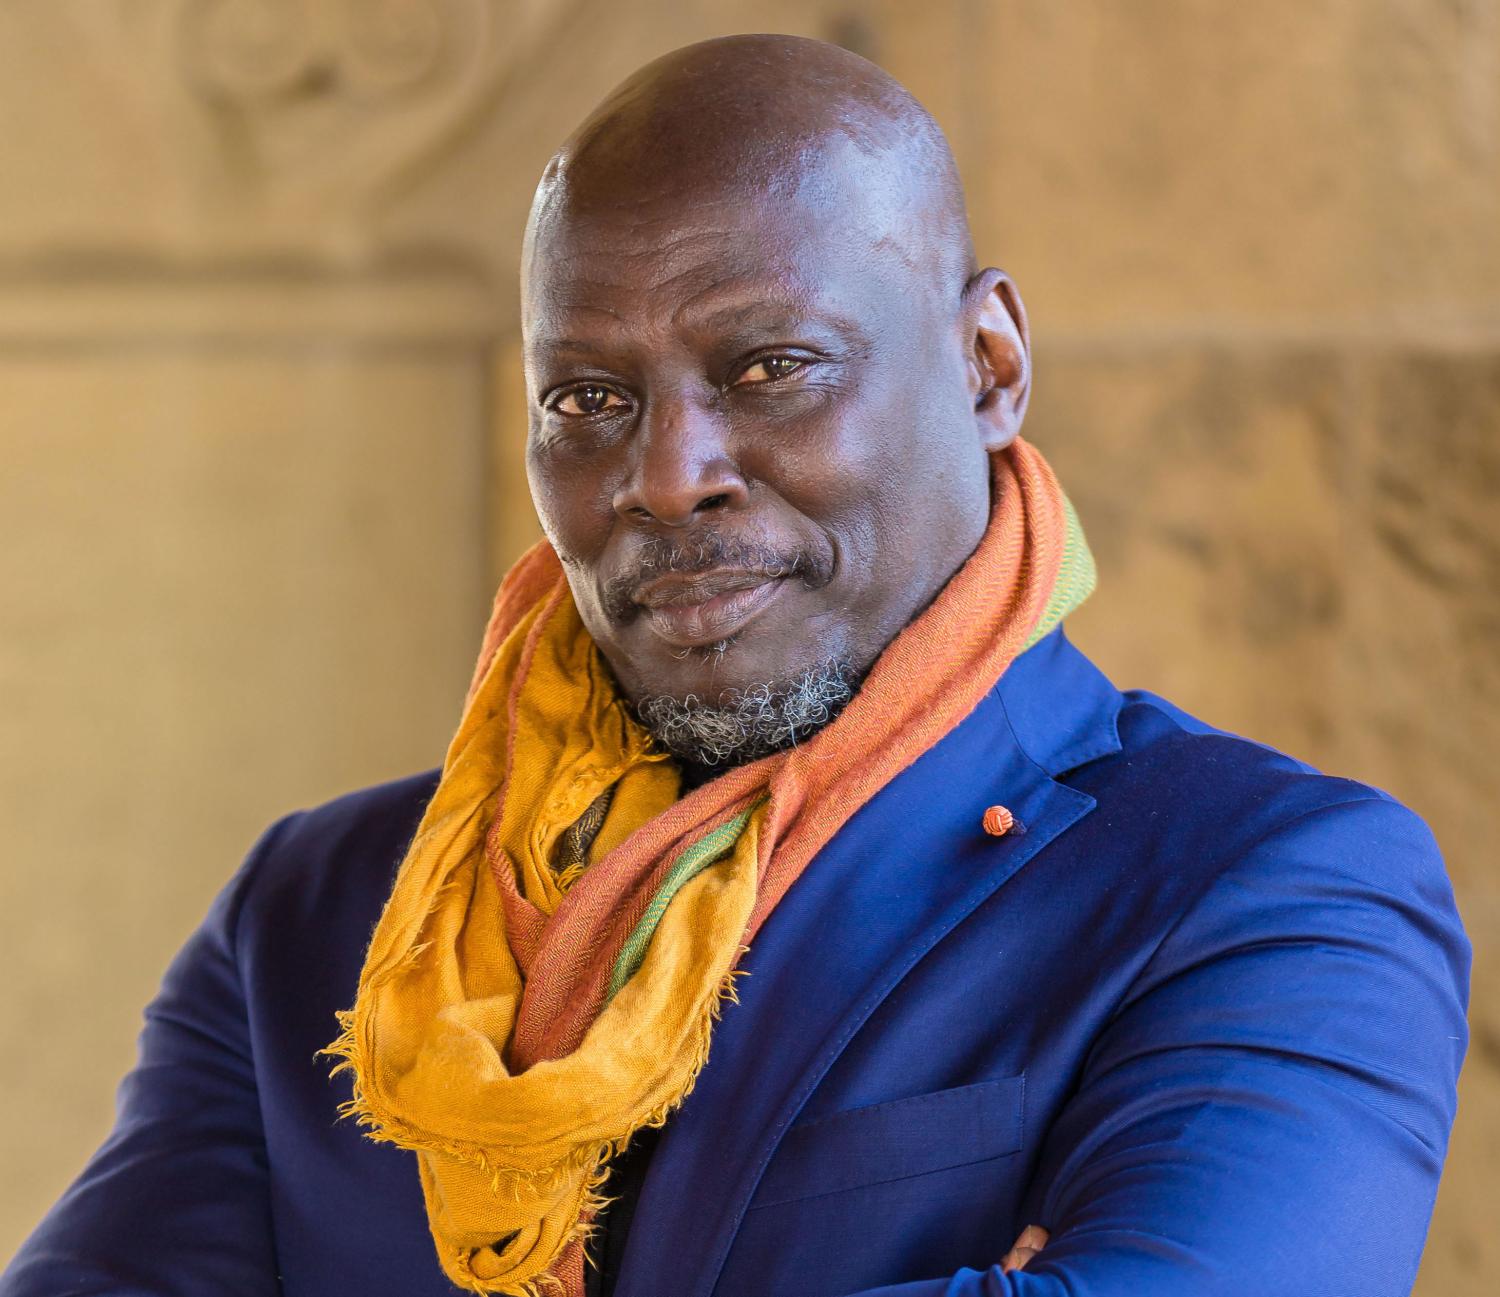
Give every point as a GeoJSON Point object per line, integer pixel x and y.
{"type": "Point", "coordinates": [695, 609]}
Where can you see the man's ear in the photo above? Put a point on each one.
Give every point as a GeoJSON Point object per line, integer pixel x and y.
{"type": "Point", "coordinates": [999, 346]}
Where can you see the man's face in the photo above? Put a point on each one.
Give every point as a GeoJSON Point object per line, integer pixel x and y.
{"type": "Point", "coordinates": [753, 438]}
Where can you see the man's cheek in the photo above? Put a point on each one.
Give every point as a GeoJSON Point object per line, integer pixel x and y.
{"type": "Point", "coordinates": [577, 515]}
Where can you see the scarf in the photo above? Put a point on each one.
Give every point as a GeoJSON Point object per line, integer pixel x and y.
{"type": "Point", "coordinates": [565, 927]}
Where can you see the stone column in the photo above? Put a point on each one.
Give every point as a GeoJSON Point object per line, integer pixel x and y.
{"type": "Point", "coordinates": [244, 475]}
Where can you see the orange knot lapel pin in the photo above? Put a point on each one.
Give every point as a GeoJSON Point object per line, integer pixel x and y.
{"type": "Point", "coordinates": [998, 821]}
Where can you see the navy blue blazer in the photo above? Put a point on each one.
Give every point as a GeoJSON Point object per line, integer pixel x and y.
{"type": "Point", "coordinates": [1202, 1019]}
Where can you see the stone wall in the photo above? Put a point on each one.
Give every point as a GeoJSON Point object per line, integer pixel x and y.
{"type": "Point", "coordinates": [261, 420]}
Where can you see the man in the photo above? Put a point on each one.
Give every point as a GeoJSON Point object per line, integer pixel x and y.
{"type": "Point", "coordinates": [797, 912]}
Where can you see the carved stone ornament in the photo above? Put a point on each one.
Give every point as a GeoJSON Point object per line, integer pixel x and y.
{"type": "Point", "coordinates": [307, 113]}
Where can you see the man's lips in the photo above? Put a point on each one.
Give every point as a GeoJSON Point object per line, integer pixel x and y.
{"type": "Point", "coordinates": [693, 609]}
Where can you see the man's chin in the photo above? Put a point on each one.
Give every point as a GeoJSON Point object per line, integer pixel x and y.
{"type": "Point", "coordinates": [719, 672]}
{"type": "Point", "coordinates": [734, 723]}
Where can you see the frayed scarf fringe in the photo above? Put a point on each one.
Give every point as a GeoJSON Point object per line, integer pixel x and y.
{"type": "Point", "coordinates": [383, 1126]}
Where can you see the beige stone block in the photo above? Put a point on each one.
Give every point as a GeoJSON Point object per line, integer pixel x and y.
{"type": "Point", "coordinates": [1202, 479]}
{"type": "Point", "coordinates": [236, 581]}
{"type": "Point", "coordinates": [1148, 166]}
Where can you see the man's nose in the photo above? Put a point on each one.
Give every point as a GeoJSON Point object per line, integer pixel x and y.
{"type": "Point", "coordinates": [682, 467]}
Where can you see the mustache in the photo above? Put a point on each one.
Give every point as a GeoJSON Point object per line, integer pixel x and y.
{"type": "Point", "coordinates": [704, 552]}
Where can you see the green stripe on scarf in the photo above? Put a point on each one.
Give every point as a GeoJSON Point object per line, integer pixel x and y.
{"type": "Point", "coordinates": [1076, 577]}
{"type": "Point", "coordinates": [708, 850]}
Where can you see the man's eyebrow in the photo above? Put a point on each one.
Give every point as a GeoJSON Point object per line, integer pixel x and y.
{"type": "Point", "coordinates": [766, 316]}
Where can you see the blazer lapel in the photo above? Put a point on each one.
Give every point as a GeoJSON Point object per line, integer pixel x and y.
{"type": "Point", "coordinates": [905, 870]}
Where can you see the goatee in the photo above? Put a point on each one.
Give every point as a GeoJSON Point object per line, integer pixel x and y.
{"type": "Point", "coordinates": [743, 725]}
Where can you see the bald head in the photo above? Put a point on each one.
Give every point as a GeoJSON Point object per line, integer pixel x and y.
{"type": "Point", "coordinates": [768, 118]}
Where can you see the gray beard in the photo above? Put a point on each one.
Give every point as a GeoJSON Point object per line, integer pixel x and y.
{"type": "Point", "coordinates": [745, 725]}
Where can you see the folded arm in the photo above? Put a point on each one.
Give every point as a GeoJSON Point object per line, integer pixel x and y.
{"type": "Point", "coordinates": [1268, 1110]}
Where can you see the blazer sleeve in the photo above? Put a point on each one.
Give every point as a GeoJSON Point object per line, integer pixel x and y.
{"type": "Point", "coordinates": [1268, 1109]}
{"type": "Point", "coordinates": [175, 1203]}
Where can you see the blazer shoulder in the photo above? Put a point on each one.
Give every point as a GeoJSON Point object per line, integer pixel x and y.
{"type": "Point", "coordinates": [1244, 809]}
{"type": "Point", "coordinates": [1182, 758]}
{"type": "Point", "coordinates": [376, 812]}
{"type": "Point", "coordinates": [1134, 748]}
{"type": "Point", "coordinates": [335, 859]}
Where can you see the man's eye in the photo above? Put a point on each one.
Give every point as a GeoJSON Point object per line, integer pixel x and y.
{"type": "Point", "coordinates": [769, 369]}
{"type": "Point", "coordinates": [591, 398]}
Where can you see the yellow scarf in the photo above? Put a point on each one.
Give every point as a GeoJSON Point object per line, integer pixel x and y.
{"type": "Point", "coordinates": [514, 1030]}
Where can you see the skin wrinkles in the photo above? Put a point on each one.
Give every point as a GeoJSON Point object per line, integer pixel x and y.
{"type": "Point", "coordinates": [762, 369]}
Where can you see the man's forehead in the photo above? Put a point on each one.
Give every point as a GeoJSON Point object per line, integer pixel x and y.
{"type": "Point", "coordinates": [717, 259]}
{"type": "Point", "coordinates": [791, 198]}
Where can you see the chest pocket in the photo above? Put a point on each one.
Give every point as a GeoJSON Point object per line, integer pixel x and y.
{"type": "Point", "coordinates": [896, 1140]}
